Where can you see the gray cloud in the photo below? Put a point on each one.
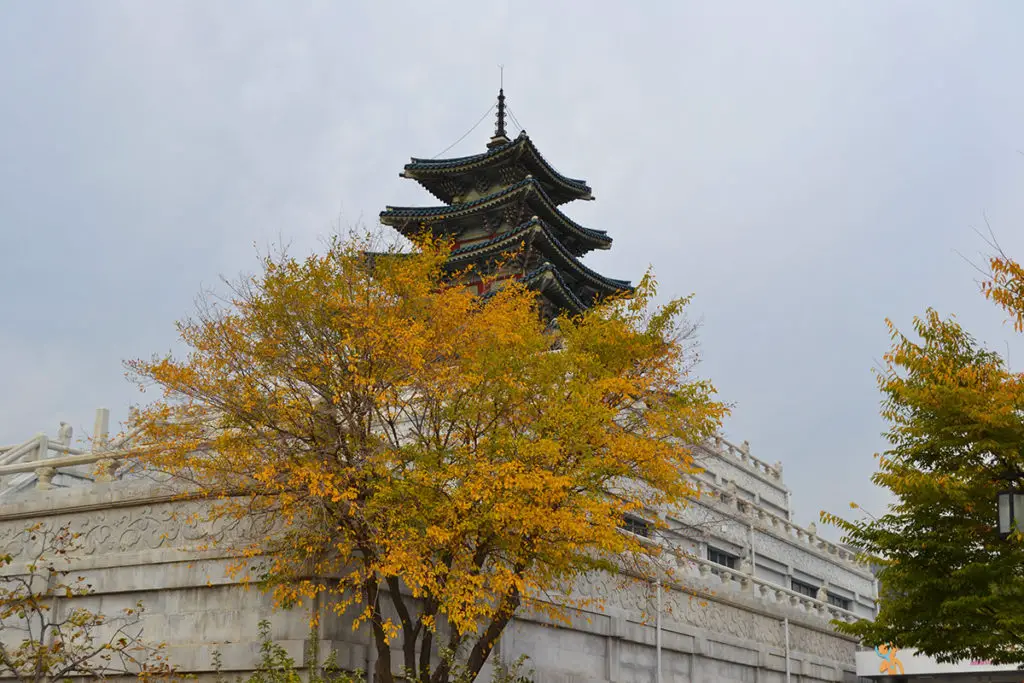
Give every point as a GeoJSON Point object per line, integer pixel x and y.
{"type": "Point", "coordinates": [807, 169]}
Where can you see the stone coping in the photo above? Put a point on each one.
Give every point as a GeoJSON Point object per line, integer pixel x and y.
{"type": "Point", "coordinates": [740, 455]}
{"type": "Point", "coordinates": [783, 528]}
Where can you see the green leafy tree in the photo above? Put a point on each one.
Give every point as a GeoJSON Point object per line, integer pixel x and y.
{"type": "Point", "coordinates": [950, 586]}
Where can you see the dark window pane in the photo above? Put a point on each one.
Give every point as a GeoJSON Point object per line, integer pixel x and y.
{"type": "Point", "coordinates": [803, 588]}
{"type": "Point", "coordinates": [723, 558]}
{"type": "Point", "coordinates": [839, 601]}
{"type": "Point", "coordinates": [635, 525]}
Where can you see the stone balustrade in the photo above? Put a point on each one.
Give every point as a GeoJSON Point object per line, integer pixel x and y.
{"type": "Point", "coordinates": [738, 580]}
{"type": "Point", "coordinates": [35, 455]}
{"type": "Point", "coordinates": [45, 457]}
{"type": "Point", "coordinates": [741, 454]}
{"type": "Point", "coordinates": [46, 468]}
{"type": "Point", "coordinates": [744, 581]}
{"type": "Point", "coordinates": [782, 526]}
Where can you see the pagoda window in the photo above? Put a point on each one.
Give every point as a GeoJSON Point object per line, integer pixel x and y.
{"type": "Point", "coordinates": [721, 557]}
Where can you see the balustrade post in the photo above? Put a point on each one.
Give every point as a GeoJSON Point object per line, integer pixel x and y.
{"type": "Point", "coordinates": [64, 433]}
{"type": "Point", "coordinates": [105, 467]}
{"type": "Point", "coordinates": [101, 429]}
{"type": "Point", "coordinates": [44, 477]}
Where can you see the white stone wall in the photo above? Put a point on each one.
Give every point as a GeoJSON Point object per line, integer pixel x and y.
{"type": "Point", "coordinates": [745, 513]}
{"type": "Point", "coordinates": [756, 480]}
{"type": "Point", "coordinates": [138, 545]}
{"type": "Point", "coordinates": [721, 526]}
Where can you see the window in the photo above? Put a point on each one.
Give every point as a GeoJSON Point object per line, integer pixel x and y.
{"type": "Point", "coordinates": [839, 601]}
{"type": "Point", "coordinates": [635, 525]}
{"type": "Point", "coordinates": [723, 558]}
{"type": "Point", "coordinates": [803, 588]}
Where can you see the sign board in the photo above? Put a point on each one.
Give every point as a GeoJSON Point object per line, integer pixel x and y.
{"type": "Point", "coordinates": [886, 661]}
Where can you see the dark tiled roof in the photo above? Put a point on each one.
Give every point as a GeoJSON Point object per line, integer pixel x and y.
{"type": "Point", "coordinates": [559, 253]}
{"type": "Point", "coordinates": [394, 214]}
{"type": "Point", "coordinates": [536, 276]}
{"type": "Point", "coordinates": [420, 167]}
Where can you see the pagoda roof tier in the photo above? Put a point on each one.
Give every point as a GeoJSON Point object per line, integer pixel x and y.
{"type": "Point", "coordinates": [546, 281]}
{"type": "Point", "coordinates": [438, 176]}
{"type": "Point", "coordinates": [549, 282]}
{"type": "Point", "coordinates": [576, 238]}
{"type": "Point", "coordinates": [537, 233]}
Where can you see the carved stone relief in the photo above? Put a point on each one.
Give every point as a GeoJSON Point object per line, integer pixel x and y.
{"type": "Point", "coordinates": [131, 529]}
{"type": "Point", "coordinates": [710, 615]}
{"type": "Point", "coordinates": [820, 644]}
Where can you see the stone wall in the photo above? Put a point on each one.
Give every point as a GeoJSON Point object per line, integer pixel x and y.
{"type": "Point", "coordinates": [138, 544]}
{"type": "Point", "coordinates": [746, 513]}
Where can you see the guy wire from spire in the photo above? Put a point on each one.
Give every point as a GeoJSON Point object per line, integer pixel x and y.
{"type": "Point", "coordinates": [513, 117]}
{"type": "Point", "coordinates": [481, 120]}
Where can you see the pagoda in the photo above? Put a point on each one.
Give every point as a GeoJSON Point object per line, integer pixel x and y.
{"type": "Point", "coordinates": [501, 209]}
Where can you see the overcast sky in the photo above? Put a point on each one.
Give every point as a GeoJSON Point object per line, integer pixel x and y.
{"type": "Point", "coordinates": [805, 168]}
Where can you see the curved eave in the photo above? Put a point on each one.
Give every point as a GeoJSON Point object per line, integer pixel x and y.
{"type": "Point", "coordinates": [549, 283]}
{"type": "Point", "coordinates": [550, 246]}
{"type": "Point", "coordinates": [400, 217]}
{"type": "Point", "coordinates": [521, 150]}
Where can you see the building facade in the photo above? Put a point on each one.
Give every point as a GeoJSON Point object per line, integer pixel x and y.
{"type": "Point", "coordinates": [750, 600]}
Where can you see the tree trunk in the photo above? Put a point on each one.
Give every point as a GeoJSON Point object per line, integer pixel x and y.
{"type": "Point", "coordinates": [485, 644]}
{"type": "Point", "coordinates": [371, 590]}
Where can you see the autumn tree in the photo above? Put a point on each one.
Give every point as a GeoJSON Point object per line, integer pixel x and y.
{"type": "Point", "coordinates": [950, 587]}
{"type": "Point", "coordinates": [445, 458]}
{"type": "Point", "coordinates": [46, 634]}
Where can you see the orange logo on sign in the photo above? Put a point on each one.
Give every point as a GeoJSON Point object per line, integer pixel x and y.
{"type": "Point", "coordinates": [890, 665]}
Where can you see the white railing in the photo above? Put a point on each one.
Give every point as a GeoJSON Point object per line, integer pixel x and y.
{"type": "Point", "coordinates": [741, 454]}
{"type": "Point", "coordinates": [744, 582]}
{"type": "Point", "coordinates": [781, 525]}
{"type": "Point", "coordinates": [44, 456]}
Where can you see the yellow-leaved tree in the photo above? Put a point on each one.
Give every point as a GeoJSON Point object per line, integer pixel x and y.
{"type": "Point", "coordinates": [430, 459]}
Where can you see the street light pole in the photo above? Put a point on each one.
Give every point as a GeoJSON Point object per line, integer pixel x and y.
{"type": "Point", "coordinates": [1010, 512]}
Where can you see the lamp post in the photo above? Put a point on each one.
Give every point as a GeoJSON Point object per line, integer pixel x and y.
{"type": "Point", "coordinates": [1011, 512]}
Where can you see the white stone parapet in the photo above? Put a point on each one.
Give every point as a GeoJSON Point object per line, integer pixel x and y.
{"type": "Point", "coordinates": [741, 455]}
{"type": "Point", "coordinates": [714, 575]}
{"type": "Point", "coordinates": [709, 575]}
{"type": "Point", "coordinates": [49, 459]}
{"type": "Point", "coordinates": [781, 526]}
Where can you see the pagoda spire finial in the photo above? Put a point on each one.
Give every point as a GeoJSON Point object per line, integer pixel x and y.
{"type": "Point", "coordinates": [500, 130]}
{"type": "Point", "coordinates": [500, 137]}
